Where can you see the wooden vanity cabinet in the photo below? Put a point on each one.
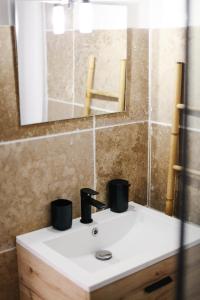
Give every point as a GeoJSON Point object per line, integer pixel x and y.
{"type": "Point", "coordinates": [38, 281]}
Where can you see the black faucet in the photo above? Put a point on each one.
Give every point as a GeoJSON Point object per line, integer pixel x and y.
{"type": "Point", "coordinates": [86, 202]}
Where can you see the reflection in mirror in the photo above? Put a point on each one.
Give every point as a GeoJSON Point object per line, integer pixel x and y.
{"type": "Point", "coordinates": [74, 65]}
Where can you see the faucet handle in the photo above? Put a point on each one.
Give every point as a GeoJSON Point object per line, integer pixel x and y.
{"type": "Point", "coordinates": [89, 192]}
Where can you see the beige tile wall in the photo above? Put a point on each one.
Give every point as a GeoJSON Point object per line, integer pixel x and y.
{"type": "Point", "coordinates": [159, 165]}
{"type": "Point", "coordinates": [137, 81]}
{"type": "Point", "coordinates": [39, 163]}
{"type": "Point", "coordinates": [60, 55]}
{"type": "Point", "coordinates": [109, 47]}
{"type": "Point", "coordinates": [193, 184]}
{"type": "Point", "coordinates": [167, 48]}
{"type": "Point", "coordinates": [114, 147]}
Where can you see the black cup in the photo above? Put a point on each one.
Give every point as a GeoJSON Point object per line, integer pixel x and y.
{"type": "Point", "coordinates": [118, 190]}
{"type": "Point", "coordinates": [61, 214]}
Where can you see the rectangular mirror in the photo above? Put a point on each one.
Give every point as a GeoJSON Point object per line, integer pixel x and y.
{"type": "Point", "coordinates": [72, 59]}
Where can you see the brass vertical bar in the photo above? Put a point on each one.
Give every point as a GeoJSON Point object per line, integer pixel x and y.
{"type": "Point", "coordinates": [122, 85]}
{"type": "Point", "coordinates": [90, 79]}
{"type": "Point", "coordinates": [174, 142]}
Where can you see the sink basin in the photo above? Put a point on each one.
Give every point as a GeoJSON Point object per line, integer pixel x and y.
{"type": "Point", "coordinates": [136, 238]}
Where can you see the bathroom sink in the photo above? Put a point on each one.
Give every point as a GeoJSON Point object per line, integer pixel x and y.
{"type": "Point", "coordinates": [137, 239]}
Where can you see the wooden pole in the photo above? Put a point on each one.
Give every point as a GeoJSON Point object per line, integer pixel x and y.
{"type": "Point", "coordinates": [174, 142]}
{"type": "Point", "coordinates": [104, 94]}
{"type": "Point", "coordinates": [90, 91]}
{"type": "Point", "coordinates": [189, 171]}
{"type": "Point", "coordinates": [189, 108]}
{"type": "Point", "coordinates": [122, 85]}
{"type": "Point", "coordinates": [90, 79]}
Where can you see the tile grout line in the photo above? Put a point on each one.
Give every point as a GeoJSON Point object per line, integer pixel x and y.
{"type": "Point", "coordinates": [73, 67]}
{"type": "Point", "coordinates": [30, 139]}
{"type": "Point", "coordinates": [190, 129]}
{"type": "Point", "coordinates": [169, 125]}
{"type": "Point", "coordinates": [161, 123]}
{"type": "Point", "coordinates": [7, 250]}
{"type": "Point", "coordinates": [6, 26]}
{"type": "Point", "coordinates": [43, 137]}
{"type": "Point", "coordinates": [122, 124]}
{"type": "Point", "coordinates": [94, 154]}
{"type": "Point", "coordinates": [149, 122]}
{"type": "Point", "coordinates": [79, 105]}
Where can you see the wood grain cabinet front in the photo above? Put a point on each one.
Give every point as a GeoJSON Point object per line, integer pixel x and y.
{"type": "Point", "coordinates": [38, 281]}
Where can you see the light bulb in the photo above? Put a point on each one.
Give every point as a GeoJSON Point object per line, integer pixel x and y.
{"type": "Point", "coordinates": [58, 19]}
{"type": "Point", "coordinates": [85, 17]}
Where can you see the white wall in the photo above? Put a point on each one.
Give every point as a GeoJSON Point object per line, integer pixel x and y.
{"type": "Point", "coordinates": [141, 13]}
{"type": "Point", "coordinates": [160, 13]}
{"type": "Point", "coordinates": [6, 12]}
{"type": "Point", "coordinates": [106, 17]}
{"type": "Point", "coordinates": [157, 13]}
{"type": "Point", "coordinates": [195, 12]}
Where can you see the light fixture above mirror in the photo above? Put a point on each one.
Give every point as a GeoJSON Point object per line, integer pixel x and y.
{"type": "Point", "coordinates": [58, 19]}
{"type": "Point", "coordinates": [85, 16]}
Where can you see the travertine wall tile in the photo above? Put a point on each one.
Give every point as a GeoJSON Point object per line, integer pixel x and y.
{"type": "Point", "coordinates": [137, 81]}
{"type": "Point", "coordinates": [8, 276]}
{"type": "Point", "coordinates": [60, 58]}
{"type": "Point", "coordinates": [193, 203]}
{"type": "Point", "coordinates": [159, 172]}
{"type": "Point", "coordinates": [109, 47]}
{"type": "Point", "coordinates": [168, 48]}
{"type": "Point", "coordinates": [193, 182]}
{"type": "Point", "coordinates": [193, 77]}
{"type": "Point", "coordinates": [59, 110]}
{"type": "Point", "coordinates": [121, 152]}
{"type": "Point", "coordinates": [137, 73]}
{"type": "Point", "coordinates": [37, 172]}
{"type": "Point", "coordinates": [8, 101]}
{"type": "Point", "coordinates": [159, 165]}
{"type": "Point", "coordinates": [193, 148]}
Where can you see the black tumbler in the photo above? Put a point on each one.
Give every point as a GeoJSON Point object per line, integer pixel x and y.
{"type": "Point", "coordinates": [118, 190]}
{"type": "Point", "coordinates": [61, 214]}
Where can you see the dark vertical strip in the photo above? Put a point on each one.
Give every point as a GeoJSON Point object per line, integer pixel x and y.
{"type": "Point", "coordinates": [180, 289]}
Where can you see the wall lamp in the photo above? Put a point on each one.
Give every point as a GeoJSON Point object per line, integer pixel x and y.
{"type": "Point", "coordinates": [85, 16]}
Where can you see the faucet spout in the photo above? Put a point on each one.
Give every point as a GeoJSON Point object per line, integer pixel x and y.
{"type": "Point", "coordinates": [97, 204]}
{"type": "Point", "coordinates": [86, 202]}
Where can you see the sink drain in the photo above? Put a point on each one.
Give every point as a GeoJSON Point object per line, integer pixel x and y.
{"type": "Point", "coordinates": [103, 255]}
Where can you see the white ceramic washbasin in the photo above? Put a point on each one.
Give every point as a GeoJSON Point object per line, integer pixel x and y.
{"type": "Point", "coordinates": [137, 239]}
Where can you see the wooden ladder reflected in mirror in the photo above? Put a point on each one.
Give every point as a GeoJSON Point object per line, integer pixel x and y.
{"type": "Point", "coordinates": [104, 95]}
